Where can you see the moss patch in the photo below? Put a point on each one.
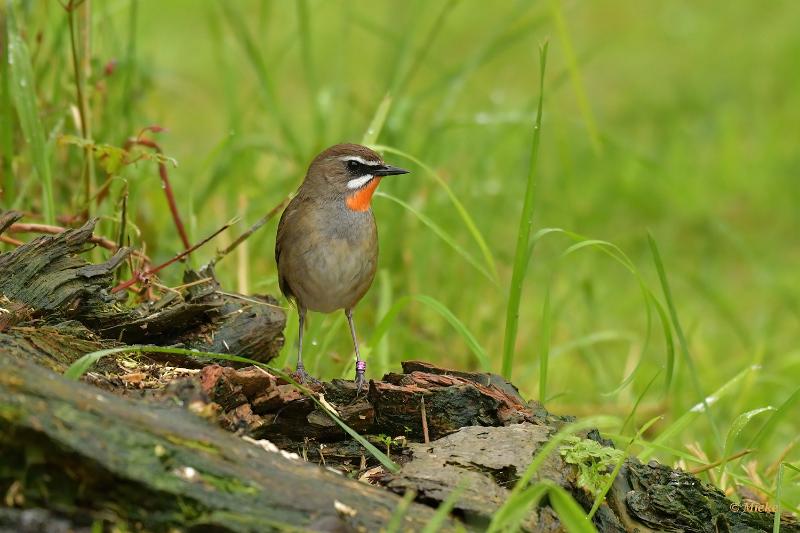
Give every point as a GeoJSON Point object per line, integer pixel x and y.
{"type": "Point", "coordinates": [595, 462]}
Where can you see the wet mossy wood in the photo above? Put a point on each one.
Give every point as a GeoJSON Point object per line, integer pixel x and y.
{"type": "Point", "coordinates": [75, 449]}
{"type": "Point", "coordinates": [480, 431]}
{"type": "Point", "coordinates": [147, 449]}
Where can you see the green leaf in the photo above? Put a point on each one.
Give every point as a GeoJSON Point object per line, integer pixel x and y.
{"type": "Point", "coordinates": [462, 211]}
{"type": "Point", "coordinates": [780, 413]}
{"type": "Point", "coordinates": [400, 303]}
{"type": "Point", "coordinates": [443, 511]}
{"type": "Point", "coordinates": [523, 233]}
{"type": "Point", "coordinates": [23, 93]}
{"type": "Point", "coordinates": [508, 517]}
{"type": "Point", "coordinates": [396, 521]}
{"type": "Point", "coordinates": [614, 252]}
{"type": "Point", "coordinates": [776, 519]}
{"type": "Point", "coordinates": [594, 461]}
{"type": "Point", "coordinates": [572, 516]}
{"type": "Point", "coordinates": [376, 125]}
{"type": "Point", "coordinates": [682, 342]}
{"type": "Point", "coordinates": [737, 426]}
{"type": "Point", "coordinates": [516, 508]}
{"type": "Point", "coordinates": [575, 76]}
{"type": "Point", "coordinates": [695, 411]}
{"type": "Point", "coordinates": [439, 232]}
{"type": "Point", "coordinates": [266, 84]}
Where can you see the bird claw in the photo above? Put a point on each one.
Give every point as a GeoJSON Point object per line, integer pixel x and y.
{"type": "Point", "coordinates": [359, 383]}
{"type": "Point", "coordinates": [301, 376]}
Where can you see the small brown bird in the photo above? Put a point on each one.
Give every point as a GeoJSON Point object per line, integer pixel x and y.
{"type": "Point", "coordinates": [327, 243]}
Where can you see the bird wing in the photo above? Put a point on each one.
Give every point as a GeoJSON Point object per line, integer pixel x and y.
{"type": "Point", "coordinates": [289, 227]}
{"type": "Point", "coordinates": [279, 240]}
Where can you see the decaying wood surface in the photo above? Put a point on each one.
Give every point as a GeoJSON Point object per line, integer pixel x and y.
{"type": "Point", "coordinates": [46, 282]}
{"type": "Point", "coordinates": [68, 446]}
{"type": "Point", "coordinates": [142, 440]}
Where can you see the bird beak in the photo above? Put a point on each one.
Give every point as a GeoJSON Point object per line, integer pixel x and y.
{"type": "Point", "coordinates": [389, 170]}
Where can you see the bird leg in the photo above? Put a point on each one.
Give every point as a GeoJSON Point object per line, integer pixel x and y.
{"type": "Point", "coordinates": [361, 365]}
{"type": "Point", "coordinates": [300, 371]}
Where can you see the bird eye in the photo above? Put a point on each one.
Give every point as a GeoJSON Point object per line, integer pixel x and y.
{"type": "Point", "coordinates": [353, 164]}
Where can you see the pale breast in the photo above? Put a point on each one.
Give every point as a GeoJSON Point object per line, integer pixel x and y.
{"type": "Point", "coordinates": [330, 262]}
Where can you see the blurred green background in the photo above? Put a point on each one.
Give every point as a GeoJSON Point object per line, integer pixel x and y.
{"type": "Point", "coordinates": [676, 118]}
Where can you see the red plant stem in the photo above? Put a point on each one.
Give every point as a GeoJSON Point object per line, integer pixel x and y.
{"type": "Point", "coordinates": [252, 229]}
{"type": "Point", "coordinates": [143, 276]}
{"type": "Point", "coordinates": [165, 183]}
{"type": "Point", "coordinates": [9, 240]}
{"type": "Point", "coordinates": [22, 227]}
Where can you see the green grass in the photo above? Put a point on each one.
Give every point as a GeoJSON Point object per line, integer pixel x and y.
{"type": "Point", "coordinates": [668, 120]}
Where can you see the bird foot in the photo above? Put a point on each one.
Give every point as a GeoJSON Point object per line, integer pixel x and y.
{"type": "Point", "coordinates": [361, 368]}
{"type": "Point", "coordinates": [301, 376]}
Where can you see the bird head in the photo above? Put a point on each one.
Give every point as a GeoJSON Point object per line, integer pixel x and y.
{"type": "Point", "coordinates": [348, 172]}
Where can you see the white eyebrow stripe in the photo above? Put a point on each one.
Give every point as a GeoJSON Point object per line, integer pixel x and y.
{"type": "Point", "coordinates": [360, 160]}
{"type": "Point", "coordinates": [357, 183]}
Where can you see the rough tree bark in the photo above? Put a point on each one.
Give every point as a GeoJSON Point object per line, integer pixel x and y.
{"type": "Point", "coordinates": [143, 442]}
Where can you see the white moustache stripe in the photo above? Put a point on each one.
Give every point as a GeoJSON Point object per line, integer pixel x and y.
{"type": "Point", "coordinates": [357, 183]}
{"type": "Point", "coordinates": [361, 160]}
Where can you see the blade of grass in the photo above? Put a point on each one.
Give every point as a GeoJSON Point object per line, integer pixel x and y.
{"type": "Point", "coordinates": [638, 401]}
{"type": "Point", "coordinates": [265, 83]}
{"type": "Point", "coordinates": [131, 66]}
{"type": "Point", "coordinates": [508, 516]}
{"type": "Point", "coordinates": [601, 496]}
{"type": "Point", "coordinates": [83, 364]}
{"type": "Point", "coordinates": [736, 428]}
{"type": "Point", "coordinates": [438, 519]}
{"type": "Point", "coordinates": [682, 342]}
{"type": "Point", "coordinates": [618, 255]}
{"type": "Point", "coordinates": [386, 322]}
{"type": "Point", "coordinates": [6, 125]}
{"type": "Point", "coordinates": [513, 27]}
{"type": "Point", "coordinates": [776, 519]}
{"type": "Point", "coordinates": [575, 76]}
{"type": "Point", "coordinates": [592, 339]}
{"type": "Point", "coordinates": [694, 412]}
{"type": "Point", "coordinates": [675, 452]}
{"type": "Point", "coordinates": [318, 355]}
{"type": "Point", "coordinates": [724, 308]}
{"type": "Point", "coordinates": [376, 124]}
{"type": "Point", "coordinates": [462, 211]}
{"type": "Point", "coordinates": [517, 507]}
{"type": "Point", "coordinates": [304, 22]}
{"type": "Point", "coordinates": [400, 80]}
{"type": "Point", "coordinates": [745, 481]}
{"type": "Point", "coordinates": [290, 338]}
{"type": "Point", "coordinates": [523, 234]}
{"type": "Point", "coordinates": [23, 93]}
{"type": "Point", "coordinates": [772, 422]}
{"type": "Point", "coordinates": [396, 520]}
{"type": "Point", "coordinates": [80, 67]}
{"type": "Point", "coordinates": [544, 344]}
{"type": "Point", "coordinates": [439, 232]}
{"type": "Point", "coordinates": [649, 298]}
{"type": "Point", "coordinates": [572, 516]}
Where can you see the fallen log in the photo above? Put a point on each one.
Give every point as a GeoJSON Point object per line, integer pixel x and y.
{"type": "Point", "coordinates": [46, 281]}
{"type": "Point", "coordinates": [86, 453]}
{"type": "Point", "coordinates": [147, 450]}
{"type": "Point", "coordinates": [482, 434]}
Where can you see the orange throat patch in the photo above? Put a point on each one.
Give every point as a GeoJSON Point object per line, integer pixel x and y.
{"type": "Point", "coordinates": [359, 200]}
